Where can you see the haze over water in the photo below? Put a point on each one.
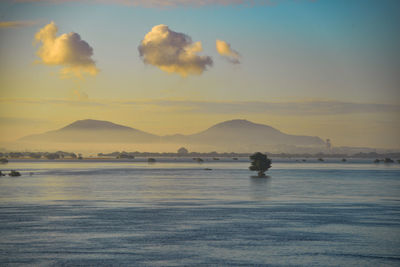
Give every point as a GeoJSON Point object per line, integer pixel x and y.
{"type": "Point", "coordinates": [176, 213]}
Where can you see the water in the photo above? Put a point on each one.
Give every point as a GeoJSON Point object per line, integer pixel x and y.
{"type": "Point", "coordinates": [176, 213]}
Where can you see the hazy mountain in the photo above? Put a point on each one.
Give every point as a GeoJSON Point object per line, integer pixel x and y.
{"type": "Point", "coordinates": [93, 131]}
{"type": "Point", "coordinates": [95, 125]}
{"type": "Point", "coordinates": [249, 133]}
{"type": "Point", "coordinates": [234, 135]}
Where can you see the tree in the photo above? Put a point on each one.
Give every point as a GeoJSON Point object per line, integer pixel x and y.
{"type": "Point", "coordinates": [388, 160]}
{"type": "Point", "coordinates": [35, 155]}
{"type": "Point", "coordinates": [14, 173]}
{"type": "Point", "coordinates": [260, 163]}
{"type": "Point", "coordinates": [125, 155]}
{"type": "Point", "coordinates": [52, 156]}
{"type": "Point", "coordinates": [182, 151]}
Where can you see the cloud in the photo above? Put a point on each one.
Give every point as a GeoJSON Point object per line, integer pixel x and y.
{"type": "Point", "coordinates": [225, 50]}
{"type": "Point", "coordinates": [298, 108]}
{"type": "Point", "coordinates": [55, 101]}
{"type": "Point", "coordinates": [176, 3]}
{"type": "Point", "coordinates": [173, 52]}
{"type": "Point", "coordinates": [295, 108]}
{"type": "Point", "coordinates": [66, 50]}
{"type": "Point", "coordinates": [23, 121]}
{"type": "Point", "coordinates": [18, 23]}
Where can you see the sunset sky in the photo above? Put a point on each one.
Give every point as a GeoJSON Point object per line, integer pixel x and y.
{"type": "Point", "coordinates": [321, 68]}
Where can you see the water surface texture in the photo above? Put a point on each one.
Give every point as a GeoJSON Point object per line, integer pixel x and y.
{"type": "Point", "coordinates": [177, 213]}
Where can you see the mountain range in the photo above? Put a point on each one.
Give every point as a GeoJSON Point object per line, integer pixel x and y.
{"type": "Point", "coordinates": [233, 135]}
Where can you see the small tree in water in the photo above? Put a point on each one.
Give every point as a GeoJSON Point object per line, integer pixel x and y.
{"type": "Point", "coordinates": [260, 163]}
{"type": "Point", "coordinates": [182, 151]}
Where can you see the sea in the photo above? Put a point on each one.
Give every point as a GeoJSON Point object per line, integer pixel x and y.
{"type": "Point", "coordinates": [177, 212]}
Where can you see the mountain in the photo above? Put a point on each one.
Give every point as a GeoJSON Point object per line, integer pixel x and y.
{"type": "Point", "coordinates": [234, 135]}
{"type": "Point", "coordinates": [93, 131]}
{"type": "Point", "coordinates": [249, 133]}
{"type": "Point", "coordinates": [94, 125]}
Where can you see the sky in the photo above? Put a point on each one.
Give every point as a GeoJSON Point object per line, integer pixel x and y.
{"type": "Point", "coordinates": [321, 68]}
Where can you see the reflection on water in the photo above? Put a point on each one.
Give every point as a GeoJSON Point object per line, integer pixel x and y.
{"type": "Point", "coordinates": [112, 213]}
{"type": "Point", "coordinates": [259, 187]}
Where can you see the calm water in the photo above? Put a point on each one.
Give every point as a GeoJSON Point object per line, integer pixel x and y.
{"type": "Point", "coordinates": [177, 213]}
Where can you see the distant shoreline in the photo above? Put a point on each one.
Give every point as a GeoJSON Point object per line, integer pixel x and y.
{"type": "Point", "coordinates": [202, 159]}
{"type": "Point", "coordinates": [61, 155]}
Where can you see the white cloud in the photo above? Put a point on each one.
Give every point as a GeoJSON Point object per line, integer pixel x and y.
{"type": "Point", "coordinates": [173, 52]}
{"type": "Point", "coordinates": [67, 50]}
{"type": "Point", "coordinates": [225, 50]}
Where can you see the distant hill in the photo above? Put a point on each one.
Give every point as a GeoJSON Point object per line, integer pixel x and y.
{"type": "Point", "coordinates": [93, 131]}
{"type": "Point", "coordinates": [234, 135]}
{"type": "Point", "coordinates": [94, 125]}
{"type": "Point", "coordinates": [246, 132]}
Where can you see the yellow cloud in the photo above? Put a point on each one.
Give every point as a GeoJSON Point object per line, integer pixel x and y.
{"type": "Point", "coordinates": [17, 23]}
{"type": "Point", "coordinates": [225, 50]}
{"type": "Point", "coordinates": [173, 52]}
{"type": "Point", "coordinates": [67, 50]}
